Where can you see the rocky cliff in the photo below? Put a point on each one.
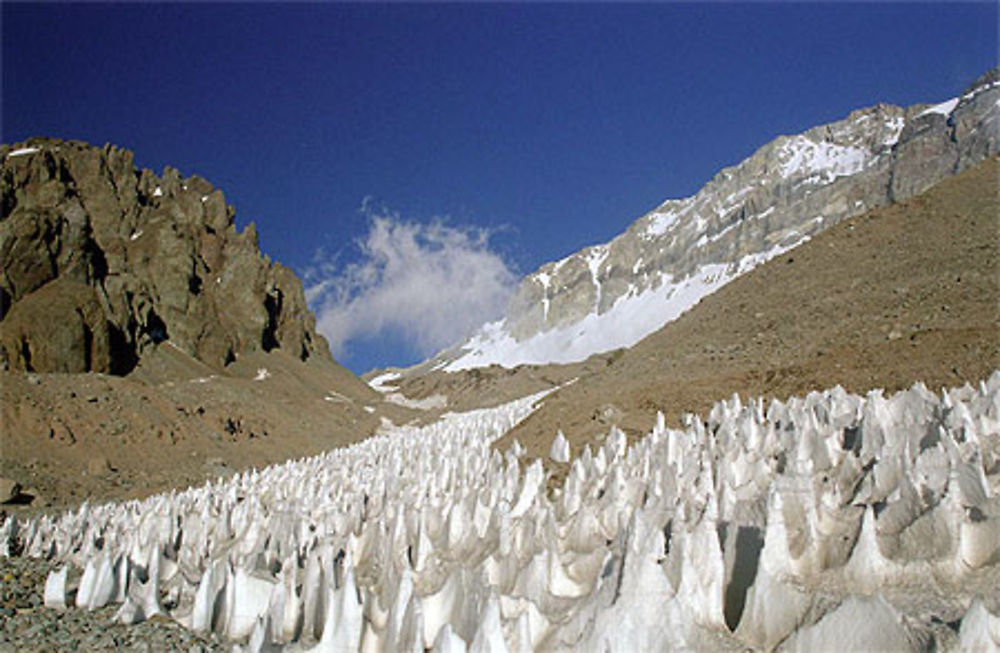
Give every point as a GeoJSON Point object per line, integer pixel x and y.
{"type": "Point", "coordinates": [612, 295]}
{"type": "Point", "coordinates": [103, 262]}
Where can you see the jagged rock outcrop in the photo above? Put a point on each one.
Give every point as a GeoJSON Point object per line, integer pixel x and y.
{"type": "Point", "coordinates": [103, 261]}
{"type": "Point", "coordinates": [611, 295]}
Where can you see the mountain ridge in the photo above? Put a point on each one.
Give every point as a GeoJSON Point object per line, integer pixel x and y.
{"type": "Point", "coordinates": [611, 295]}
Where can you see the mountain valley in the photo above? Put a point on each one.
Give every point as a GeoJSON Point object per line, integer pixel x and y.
{"type": "Point", "coordinates": [764, 417]}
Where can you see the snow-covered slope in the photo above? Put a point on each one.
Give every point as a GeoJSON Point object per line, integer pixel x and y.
{"type": "Point", "coordinates": [631, 318]}
{"type": "Point", "coordinates": [612, 295]}
{"type": "Point", "coordinates": [831, 522]}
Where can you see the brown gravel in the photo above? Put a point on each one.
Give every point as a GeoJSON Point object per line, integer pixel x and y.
{"type": "Point", "coordinates": [27, 626]}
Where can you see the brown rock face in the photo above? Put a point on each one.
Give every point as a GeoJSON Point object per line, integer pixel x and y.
{"type": "Point", "coordinates": [61, 327]}
{"type": "Point", "coordinates": [102, 261]}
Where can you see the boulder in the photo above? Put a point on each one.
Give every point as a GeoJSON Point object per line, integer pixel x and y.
{"type": "Point", "coordinates": [9, 490]}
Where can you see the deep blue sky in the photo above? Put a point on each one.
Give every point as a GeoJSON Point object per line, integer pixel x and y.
{"type": "Point", "coordinates": [558, 123]}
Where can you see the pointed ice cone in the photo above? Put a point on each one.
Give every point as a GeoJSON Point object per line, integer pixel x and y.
{"type": "Point", "coordinates": [87, 582]}
{"type": "Point", "coordinates": [523, 634]}
{"type": "Point", "coordinates": [311, 588]}
{"type": "Point", "coordinates": [226, 602]}
{"type": "Point", "coordinates": [411, 637]}
{"type": "Point", "coordinates": [344, 620]}
{"type": "Point", "coordinates": [772, 611]}
{"type": "Point", "coordinates": [980, 630]}
{"type": "Point", "coordinates": [121, 569]}
{"type": "Point", "coordinates": [142, 600]}
{"type": "Point", "coordinates": [204, 600]}
{"type": "Point", "coordinates": [394, 635]}
{"type": "Point", "coordinates": [349, 618]}
{"type": "Point", "coordinates": [704, 573]}
{"type": "Point", "coordinates": [151, 594]}
{"type": "Point", "coordinates": [867, 567]}
{"type": "Point", "coordinates": [284, 607]}
{"type": "Point", "coordinates": [489, 635]}
{"type": "Point", "coordinates": [261, 639]}
{"type": "Point", "coordinates": [326, 641]}
{"type": "Point", "coordinates": [448, 642]}
{"type": "Point", "coordinates": [441, 607]}
{"type": "Point", "coordinates": [533, 477]}
{"type": "Point", "coordinates": [252, 598]}
{"type": "Point", "coordinates": [100, 587]}
{"type": "Point", "coordinates": [560, 448]}
{"type": "Point", "coordinates": [859, 624]}
{"type": "Point", "coordinates": [55, 588]}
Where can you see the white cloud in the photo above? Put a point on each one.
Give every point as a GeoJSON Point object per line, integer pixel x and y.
{"type": "Point", "coordinates": [430, 285]}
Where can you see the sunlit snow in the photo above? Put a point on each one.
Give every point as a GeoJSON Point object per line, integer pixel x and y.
{"type": "Point", "coordinates": [628, 320]}
{"type": "Point", "coordinates": [21, 151]}
{"type": "Point", "coordinates": [381, 383]}
{"type": "Point", "coordinates": [944, 108]}
{"type": "Point", "coordinates": [818, 523]}
{"type": "Point", "coordinates": [801, 156]}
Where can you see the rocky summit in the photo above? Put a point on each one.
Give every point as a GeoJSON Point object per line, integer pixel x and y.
{"type": "Point", "coordinates": [103, 262]}
{"type": "Point", "coordinates": [612, 295]}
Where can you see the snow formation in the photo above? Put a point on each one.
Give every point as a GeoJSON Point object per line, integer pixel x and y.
{"type": "Point", "coordinates": [826, 522]}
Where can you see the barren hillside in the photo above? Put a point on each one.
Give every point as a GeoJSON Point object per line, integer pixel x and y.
{"type": "Point", "coordinates": [901, 294]}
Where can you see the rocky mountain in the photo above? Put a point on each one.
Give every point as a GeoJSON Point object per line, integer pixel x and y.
{"type": "Point", "coordinates": [900, 294]}
{"type": "Point", "coordinates": [145, 342]}
{"type": "Point", "coordinates": [613, 294]}
{"type": "Point", "coordinates": [102, 262]}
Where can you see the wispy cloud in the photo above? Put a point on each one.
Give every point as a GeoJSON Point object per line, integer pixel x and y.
{"type": "Point", "coordinates": [428, 284]}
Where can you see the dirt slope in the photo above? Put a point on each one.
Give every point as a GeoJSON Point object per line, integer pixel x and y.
{"type": "Point", "coordinates": [905, 293]}
{"type": "Point", "coordinates": [173, 422]}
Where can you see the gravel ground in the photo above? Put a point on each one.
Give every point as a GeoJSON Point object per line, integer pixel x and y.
{"type": "Point", "coordinates": [26, 625]}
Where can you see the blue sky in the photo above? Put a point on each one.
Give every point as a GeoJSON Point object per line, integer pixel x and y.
{"type": "Point", "coordinates": [411, 160]}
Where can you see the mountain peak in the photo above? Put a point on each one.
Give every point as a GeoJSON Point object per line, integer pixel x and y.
{"type": "Point", "coordinates": [987, 80]}
{"type": "Point", "coordinates": [104, 262]}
